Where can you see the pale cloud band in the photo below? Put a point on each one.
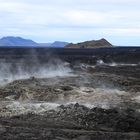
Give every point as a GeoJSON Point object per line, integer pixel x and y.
{"type": "Point", "coordinates": [72, 20]}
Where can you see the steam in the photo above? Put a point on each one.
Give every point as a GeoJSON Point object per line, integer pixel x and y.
{"type": "Point", "coordinates": [17, 108]}
{"type": "Point", "coordinates": [136, 99]}
{"type": "Point", "coordinates": [22, 70]}
{"type": "Point", "coordinates": [87, 96]}
{"type": "Point", "coordinates": [93, 97]}
{"type": "Point", "coordinates": [100, 62]}
{"type": "Point", "coordinates": [85, 90]}
{"type": "Point", "coordinates": [121, 64]}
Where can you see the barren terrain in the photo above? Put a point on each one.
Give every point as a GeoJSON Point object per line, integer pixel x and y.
{"type": "Point", "coordinates": [65, 100]}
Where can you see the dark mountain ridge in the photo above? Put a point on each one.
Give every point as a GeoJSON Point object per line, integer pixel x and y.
{"type": "Point", "coordinates": [91, 44]}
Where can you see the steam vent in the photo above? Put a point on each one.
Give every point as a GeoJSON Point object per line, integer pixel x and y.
{"type": "Point", "coordinates": [70, 93]}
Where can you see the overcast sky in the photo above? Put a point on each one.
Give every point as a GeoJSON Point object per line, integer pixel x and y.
{"type": "Point", "coordinates": [72, 20]}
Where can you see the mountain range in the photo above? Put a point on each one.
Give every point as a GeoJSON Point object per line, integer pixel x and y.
{"type": "Point", "coordinates": [54, 44]}
{"type": "Point", "coordinates": [11, 41]}
{"type": "Point", "coordinates": [16, 41]}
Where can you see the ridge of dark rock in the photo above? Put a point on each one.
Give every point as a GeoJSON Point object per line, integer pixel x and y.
{"type": "Point", "coordinates": [91, 44]}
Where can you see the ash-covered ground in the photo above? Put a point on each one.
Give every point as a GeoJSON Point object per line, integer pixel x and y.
{"type": "Point", "coordinates": [61, 100]}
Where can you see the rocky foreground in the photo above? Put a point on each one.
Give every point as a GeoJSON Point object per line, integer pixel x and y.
{"type": "Point", "coordinates": [99, 102]}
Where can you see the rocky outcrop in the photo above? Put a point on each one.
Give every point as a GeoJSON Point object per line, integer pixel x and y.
{"type": "Point", "coordinates": [91, 44]}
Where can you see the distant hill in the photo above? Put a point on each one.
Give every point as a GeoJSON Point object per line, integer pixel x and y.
{"type": "Point", "coordinates": [54, 44]}
{"type": "Point", "coordinates": [59, 44]}
{"type": "Point", "coordinates": [44, 44]}
{"type": "Point", "coordinates": [16, 41]}
{"type": "Point", "coordinates": [91, 44]}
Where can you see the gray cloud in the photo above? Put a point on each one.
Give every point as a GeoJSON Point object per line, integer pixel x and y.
{"type": "Point", "coordinates": [73, 20]}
